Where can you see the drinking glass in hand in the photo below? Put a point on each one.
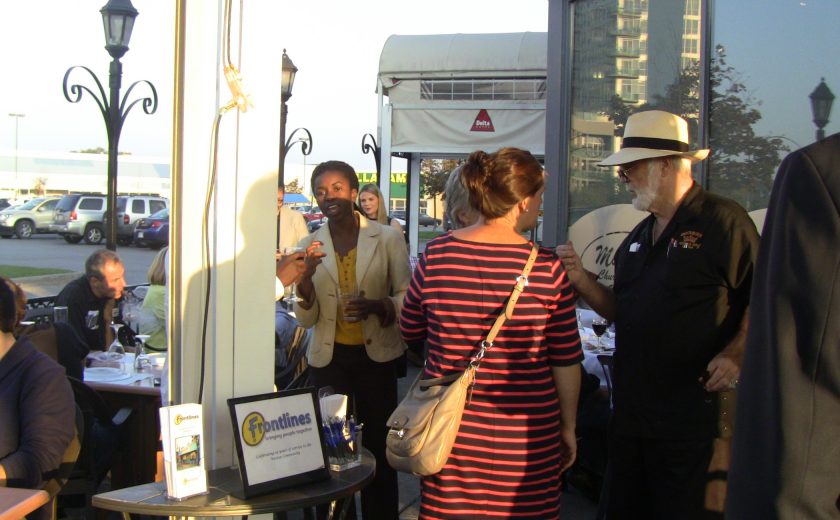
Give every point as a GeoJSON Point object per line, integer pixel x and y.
{"type": "Point", "coordinates": [599, 327]}
{"type": "Point", "coordinates": [286, 251]}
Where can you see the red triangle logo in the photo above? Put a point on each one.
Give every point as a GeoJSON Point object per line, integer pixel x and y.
{"type": "Point", "coordinates": [482, 122]}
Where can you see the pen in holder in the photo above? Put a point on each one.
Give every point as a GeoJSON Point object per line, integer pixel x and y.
{"type": "Point", "coordinates": [344, 442]}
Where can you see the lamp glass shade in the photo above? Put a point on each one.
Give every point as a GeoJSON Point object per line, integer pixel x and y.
{"type": "Point", "coordinates": [118, 21]}
{"type": "Point", "coordinates": [287, 79]}
{"type": "Point", "coordinates": [821, 100]}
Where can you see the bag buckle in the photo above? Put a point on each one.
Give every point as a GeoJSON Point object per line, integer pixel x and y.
{"type": "Point", "coordinates": [522, 279]}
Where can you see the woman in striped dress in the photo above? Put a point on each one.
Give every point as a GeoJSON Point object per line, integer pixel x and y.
{"type": "Point", "coordinates": [517, 434]}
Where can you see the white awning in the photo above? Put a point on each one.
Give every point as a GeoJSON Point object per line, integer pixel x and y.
{"type": "Point", "coordinates": [498, 55]}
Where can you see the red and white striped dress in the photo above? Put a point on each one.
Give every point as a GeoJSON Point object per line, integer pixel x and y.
{"type": "Point", "coordinates": [506, 458]}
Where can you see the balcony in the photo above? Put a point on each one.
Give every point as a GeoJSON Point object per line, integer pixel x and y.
{"type": "Point", "coordinates": [624, 73]}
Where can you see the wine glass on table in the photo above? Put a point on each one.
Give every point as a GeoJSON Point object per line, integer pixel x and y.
{"type": "Point", "coordinates": [116, 350]}
{"type": "Point", "coordinates": [141, 359]}
{"type": "Point", "coordinates": [286, 251]}
{"type": "Point", "coordinates": [599, 327]}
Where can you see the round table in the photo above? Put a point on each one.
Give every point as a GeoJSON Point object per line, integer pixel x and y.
{"type": "Point", "coordinates": [223, 487]}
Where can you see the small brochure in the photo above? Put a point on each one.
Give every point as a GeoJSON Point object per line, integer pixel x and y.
{"type": "Point", "coordinates": [183, 450]}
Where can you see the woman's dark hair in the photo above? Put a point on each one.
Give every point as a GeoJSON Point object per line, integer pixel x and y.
{"type": "Point", "coordinates": [335, 166]}
{"type": "Point", "coordinates": [498, 181]}
{"type": "Point", "coordinates": [12, 305]}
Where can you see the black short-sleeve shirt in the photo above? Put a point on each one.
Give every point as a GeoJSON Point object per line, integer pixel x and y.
{"type": "Point", "coordinates": [85, 312]}
{"type": "Point", "coordinates": [680, 301]}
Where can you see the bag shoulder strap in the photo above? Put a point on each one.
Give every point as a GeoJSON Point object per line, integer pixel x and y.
{"type": "Point", "coordinates": [507, 312]}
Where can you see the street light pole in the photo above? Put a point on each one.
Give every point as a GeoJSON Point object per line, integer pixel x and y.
{"type": "Point", "coordinates": [287, 81]}
{"type": "Point", "coordinates": [821, 100]}
{"type": "Point", "coordinates": [17, 182]}
{"type": "Point", "coordinates": [118, 18]}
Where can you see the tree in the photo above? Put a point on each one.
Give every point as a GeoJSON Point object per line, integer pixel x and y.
{"type": "Point", "coordinates": [433, 176]}
{"type": "Point", "coordinates": [294, 186]}
{"type": "Point", "coordinates": [742, 163]}
{"type": "Point", "coordinates": [40, 186]}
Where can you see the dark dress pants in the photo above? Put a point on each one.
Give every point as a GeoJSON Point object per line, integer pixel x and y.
{"type": "Point", "coordinates": [372, 391]}
{"type": "Point", "coordinates": [657, 479]}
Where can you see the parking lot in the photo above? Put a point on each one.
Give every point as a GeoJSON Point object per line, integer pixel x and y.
{"type": "Point", "coordinates": [52, 251]}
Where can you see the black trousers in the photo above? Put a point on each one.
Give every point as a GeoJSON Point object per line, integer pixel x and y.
{"type": "Point", "coordinates": [657, 479]}
{"type": "Point", "coordinates": [372, 391]}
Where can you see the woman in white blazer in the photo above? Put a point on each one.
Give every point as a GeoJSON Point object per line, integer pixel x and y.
{"type": "Point", "coordinates": [356, 350]}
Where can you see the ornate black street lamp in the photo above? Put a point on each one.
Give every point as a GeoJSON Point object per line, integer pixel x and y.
{"type": "Point", "coordinates": [118, 19]}
{"type": "Point", "coordinates": [377, 154]}
{"type": "Point", "coordinates": [821, 101]}
{"type": "Point", "coordinates": [287, 81]}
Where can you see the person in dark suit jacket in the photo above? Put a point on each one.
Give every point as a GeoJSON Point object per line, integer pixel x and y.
{"type": "Point", "coordinates": [786, 457]}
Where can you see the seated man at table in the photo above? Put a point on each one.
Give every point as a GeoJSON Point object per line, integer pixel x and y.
{"type": "Point", "coordinates": [37, 414]}
{"type": "Point", "coordinates": [91, 298]}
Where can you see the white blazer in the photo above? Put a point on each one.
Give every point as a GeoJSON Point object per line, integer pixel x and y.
{"type": "Point", "coordinates": [381, 272]}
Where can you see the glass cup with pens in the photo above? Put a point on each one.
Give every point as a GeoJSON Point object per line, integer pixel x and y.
{"type": "Point", "coordinates": [343, 438]}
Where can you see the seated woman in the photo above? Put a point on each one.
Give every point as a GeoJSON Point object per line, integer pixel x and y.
{"type": "Point", "coordinates": [37, 410]}
{"type": "Point", "coordinates": [153, 313]}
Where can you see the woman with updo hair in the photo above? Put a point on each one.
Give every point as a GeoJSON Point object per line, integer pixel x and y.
{"type": "Point", "coordinates": [517, 434]}
{"type": "Point", "coordinates": [37, 411]}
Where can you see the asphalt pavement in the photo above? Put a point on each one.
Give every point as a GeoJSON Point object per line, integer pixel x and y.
{"type": "Point", "coordinates": [52, 251]}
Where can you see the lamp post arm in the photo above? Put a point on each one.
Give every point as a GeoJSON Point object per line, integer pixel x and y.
{"type": "Point", "coordinates": [75, 91]}
{"type": "Point", "coordinates": [375, 150]}
{"type": "Point", "coordinates": [149, 102]}
{"type": "Point", "coordinates": [305, 142]}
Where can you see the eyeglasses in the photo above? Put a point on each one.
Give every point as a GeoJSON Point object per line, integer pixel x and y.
{"type": "Point", "coordinates": [623, 172]}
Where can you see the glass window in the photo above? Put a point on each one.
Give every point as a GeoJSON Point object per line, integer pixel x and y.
{"type": "Point", "coordinates": [94, 204]}
{"type": "Point", "coordinates": [156, 205]}
{"type": "Point", "coordinates": [138, 206]}
{"type": "Point", "coordinates": [602, 103]}
{"type": "Point", "coordinates": [762, 75]}
{"type": "Point", "coordinates": [462, 90]}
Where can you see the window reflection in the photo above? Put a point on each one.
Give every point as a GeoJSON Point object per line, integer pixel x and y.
{"type": "Point", "coordinates": [762, 75]}
{"type": "Point", "coordinates": [628, 56]}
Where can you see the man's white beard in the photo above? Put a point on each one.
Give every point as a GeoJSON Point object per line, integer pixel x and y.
{"type": "Point", "coordinates": [644, 196]}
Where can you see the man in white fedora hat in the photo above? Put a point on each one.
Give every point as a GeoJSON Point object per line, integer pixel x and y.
{"type": "Point", "coordinates": [679, 303]}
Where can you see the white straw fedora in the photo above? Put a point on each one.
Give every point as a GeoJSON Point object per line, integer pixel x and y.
{"type": "Point", "coordinates": [654, 133]}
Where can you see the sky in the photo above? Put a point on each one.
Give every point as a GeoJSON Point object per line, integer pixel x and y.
{"type": "Point", "coordinates": [335, 44]}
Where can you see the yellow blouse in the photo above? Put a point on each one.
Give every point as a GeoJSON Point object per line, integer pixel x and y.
{"type": "Point", "coordinates": [348, 333]}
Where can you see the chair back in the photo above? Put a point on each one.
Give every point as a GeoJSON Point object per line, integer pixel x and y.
{"type": "Point", "coordinates": [296, 372]}
{"type": "Point", "coordinates": [59, 477]}
{"type": "Point", "coordinates": [606, 361]}
{"type": "Point", "coordinates": [39, 314]}
{"type": "Point", "coordinates": [86, 477]}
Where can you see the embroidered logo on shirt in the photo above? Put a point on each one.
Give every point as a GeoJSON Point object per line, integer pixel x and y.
{"type": "Point", "coordinates": [690, 240]}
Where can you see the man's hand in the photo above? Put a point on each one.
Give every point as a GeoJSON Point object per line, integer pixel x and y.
{"type": "Point", "coordinates": [572, 264]}
{"type": "Point", "coordinates": [305, 287]}
{"type": "Point", "coordinates": [289, 268]}
{"type": "Point", "coordinates": [723, 373]}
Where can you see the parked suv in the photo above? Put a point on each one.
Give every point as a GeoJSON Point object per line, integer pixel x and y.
{"type": "Point", "coordinates": [79, 216]}
{"type": "Point", "coordinates": [131, 208]}
{"type": "Point", "coordinates": [33, 217]}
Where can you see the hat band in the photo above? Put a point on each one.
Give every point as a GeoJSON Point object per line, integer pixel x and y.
{"type": "Point", "coordinates": [654, 143]}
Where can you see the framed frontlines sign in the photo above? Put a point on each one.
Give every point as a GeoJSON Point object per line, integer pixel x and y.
{"type": "Point", "coordinates": [279, 440]}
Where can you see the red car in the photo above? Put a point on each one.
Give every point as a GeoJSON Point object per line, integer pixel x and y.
{"type": "Point", "coordinates": [312, 214]}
